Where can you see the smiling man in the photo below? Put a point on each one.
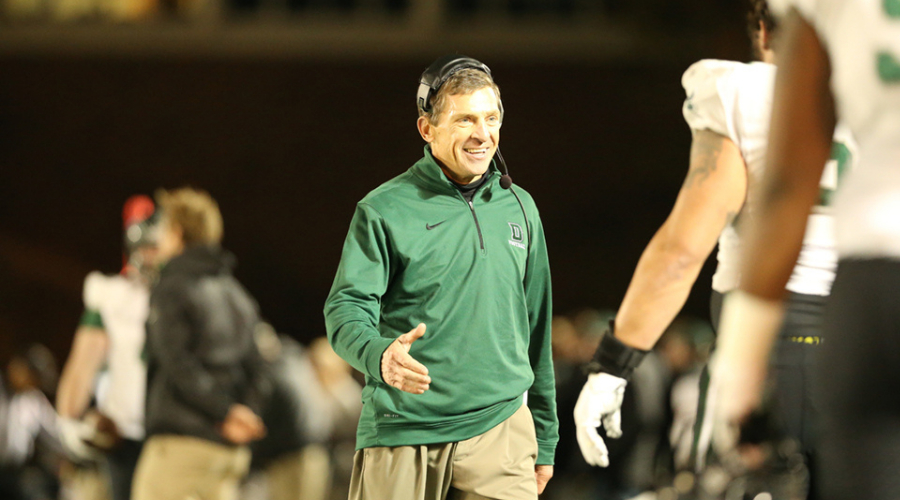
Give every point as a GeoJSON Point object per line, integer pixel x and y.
{"type": "Point", "coordinates": [442, 299]}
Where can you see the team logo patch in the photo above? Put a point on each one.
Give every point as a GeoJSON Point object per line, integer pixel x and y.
{"type": "Point", "coordinates": [518, 236]}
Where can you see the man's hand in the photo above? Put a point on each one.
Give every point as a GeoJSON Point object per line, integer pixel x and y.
{"type": "Point", "coordinates": [106, 436]}
{"type": "Point", "coordinates": [748, 327]}
{"type": "Point", "coordinates": [399, 369]}
{"type": "Point", "coordinates": [75, 436]}
{"type": "Point", "coordinates": [543, 473]}
{"type": "Point", "coordinates": [600, 400]}
{"type": "Point", "coordinates": [735, 390]}
{"type": "Point", "coordinates": [241, 425]}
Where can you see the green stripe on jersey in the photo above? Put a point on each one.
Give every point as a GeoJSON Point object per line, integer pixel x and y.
{"type": "Point", "coordinates": [91, 318]}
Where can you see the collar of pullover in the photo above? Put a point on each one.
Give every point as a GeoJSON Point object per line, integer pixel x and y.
{"type": "Point", "coordinates": [428, 170]}
{"type": "Point", "coordinates": [468, 191]}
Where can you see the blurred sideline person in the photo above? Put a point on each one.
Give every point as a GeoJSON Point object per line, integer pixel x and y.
{"type": "Point", "coordinates": [30, 454]}
{"type": "Point", "coordinates": [685, 346]}
{"type": "Point", "coordinates": [110, 338]}
{"type": "Point", "coordinates": [287, 455]}
{"type": "Point", "coordinates": [632, 467]}
{"type": "Point", "coordinates": [342, 396]}
{"type": "Point", "coordinates": [450, 245]}
{"type": "Point", "coordinates": [727, 107]}
{"type": "Point", "coordinates": [206, 377]}
{"type": "Point", "coordinates": [314, 396]}
{"type": "Point", "coordinates": [841, 62]}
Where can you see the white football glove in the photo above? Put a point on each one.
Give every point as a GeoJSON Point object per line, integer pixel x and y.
{"type": "Point", "coordinates": [75, 436]}
{"type": "Point", "coordinates": [600, 401]}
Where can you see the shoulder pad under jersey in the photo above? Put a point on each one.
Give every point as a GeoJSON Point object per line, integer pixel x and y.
{"type": "Point", "coordinates": [711, 96]}
{"type": "Point", "coordinates": [96, 290]}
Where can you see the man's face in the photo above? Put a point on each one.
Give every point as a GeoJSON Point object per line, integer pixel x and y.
{"type": "Point", "coordinates": [170, 240]}
{"type": "Point", "coordinates": [466, 134]}
{"type": "Point", "coordinates": [20, 376]}
{"type": "Point", "coordinates": [149, 255]}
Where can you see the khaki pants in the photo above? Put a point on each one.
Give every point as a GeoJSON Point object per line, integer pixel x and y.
{"type": "Point", "coordinates": [497, 465]}
{"type": "Point", "coordinates": [187, 468]}
{"type": "Point", "coordinates": [304, 475]}
{"type": "Point", "coordinates": [85, 483]}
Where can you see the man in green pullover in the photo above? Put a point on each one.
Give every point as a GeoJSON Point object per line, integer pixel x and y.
{"type": "Point", "coordinates": [442, 299]}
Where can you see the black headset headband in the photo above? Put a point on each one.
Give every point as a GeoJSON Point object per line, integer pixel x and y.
{"type": "Point", "coordinates": [439, 72]}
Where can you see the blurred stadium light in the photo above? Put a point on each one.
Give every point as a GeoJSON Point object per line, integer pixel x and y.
{"type": "Point", "coordinates": [361, 30]}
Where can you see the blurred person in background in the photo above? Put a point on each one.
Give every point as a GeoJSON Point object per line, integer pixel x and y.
{"type": "Point", "coordinates": [633, 468]}
{"type": "Point", "coordinates": [343, 394]}
{"type": "Point", "coordinates": [339, 386]}
{"type": "Point", "coordinates": [727, 107]}
{"type": "Point", "coordinates": [343, 389]}
{"type": "Point", "coordinates": [110, 340]}
{"type": "Point", "coordinates": [30, 454]}
{"type": "Point", "coordinates": [206, 379]}
{"type": "Point", "coordinates": [277, 467]}
{"type": "Point", "coordinates": [841, 61]}
{"type": "Point", "coordinates": [453, 247]}
{"type": "Point", "coordinates": [83, 480]}
{"type": "Point", "coordinates": [685, 349]}
{"type": "Point", "coordinates": [574, 341]}
{"type": "Point", "coordinates": [642, 459]}
{"type": "Point", "coordinates": [314, 401]}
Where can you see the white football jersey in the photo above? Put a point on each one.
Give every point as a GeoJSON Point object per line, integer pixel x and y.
{"type": "Point", "coordinates": [123, 305]}
{"type": "Point", "coordinates": [735, 100]}
{"type": "Point", "coordinates": [863, 42]}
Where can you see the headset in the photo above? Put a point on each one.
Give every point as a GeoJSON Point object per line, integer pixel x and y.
{"type": "Point", "coordinates": [431, 81]}
{"type": "Point", "coordinates": [439, 72]}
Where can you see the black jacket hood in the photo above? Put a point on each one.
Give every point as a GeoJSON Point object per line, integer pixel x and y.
{"type": "Point", "coordinates": [204, 260]}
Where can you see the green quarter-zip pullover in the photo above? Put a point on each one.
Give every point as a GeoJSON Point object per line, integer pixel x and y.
{"type": "Point", "coordinates": [478, 277]}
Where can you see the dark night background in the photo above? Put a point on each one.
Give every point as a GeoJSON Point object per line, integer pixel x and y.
{"type": "Point", "coordinates": [288, 145]}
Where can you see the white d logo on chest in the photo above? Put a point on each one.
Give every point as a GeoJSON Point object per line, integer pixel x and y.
{"type": "Point", "coordinates": [518, 236]}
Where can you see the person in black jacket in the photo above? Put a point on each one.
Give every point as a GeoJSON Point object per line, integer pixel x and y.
{"type": "Point", "coordinates": [205, 375]}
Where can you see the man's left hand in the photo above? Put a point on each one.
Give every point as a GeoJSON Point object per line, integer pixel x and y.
{"type": "Point", "coordinates": [543, 473]}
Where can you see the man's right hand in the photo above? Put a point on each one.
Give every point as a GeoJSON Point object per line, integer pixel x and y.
{"type": "Point", "coordinates": [399, 369]}
{"type": "Point", "coordinates": [600, 400]}
{"type": "Point", "coordinates": [75, 436]}
{"type": "Point", "coordinates": [241, 425]}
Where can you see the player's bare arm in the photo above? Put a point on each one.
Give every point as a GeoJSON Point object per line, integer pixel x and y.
{"type": "Point", "coordinates": [712, 194]}
{"type": "Point", "coordinates": [76, 384]}
{"type": "Point", "coordinates": [803, 122]}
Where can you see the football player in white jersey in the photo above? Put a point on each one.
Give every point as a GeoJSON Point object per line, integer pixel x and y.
{"type": "Point", "coordinates": [727, 107]}
{"type": "Point", "coordinates": [110, 340]}
{"type": "Point", "coordinates": [841, 59]}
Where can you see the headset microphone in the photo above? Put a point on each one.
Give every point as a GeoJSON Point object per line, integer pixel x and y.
{"type": "Point", "coordinates": [505, 179]}
{"type": "Point", "coordinates": [506, 183]}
